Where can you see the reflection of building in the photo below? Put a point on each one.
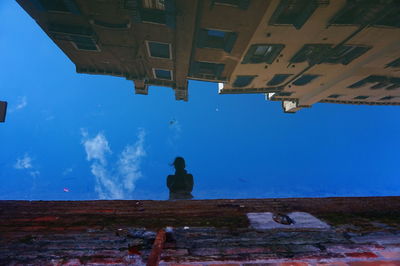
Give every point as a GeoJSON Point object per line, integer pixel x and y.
{"type": "Point", "coordinates": [3, 110]}
{"type": "Point", "coordinates": [299, 52]}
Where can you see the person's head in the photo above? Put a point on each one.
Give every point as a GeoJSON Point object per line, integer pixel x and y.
{"type": "Point", "coordinates": [179, 163]}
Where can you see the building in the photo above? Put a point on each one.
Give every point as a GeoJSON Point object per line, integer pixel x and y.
{"type": "Point", "coordinates": [299, 52]}
{"type": "Point", "coordinates": [242, 232]}
{"type": "Point", "coordinates": [3, 111]}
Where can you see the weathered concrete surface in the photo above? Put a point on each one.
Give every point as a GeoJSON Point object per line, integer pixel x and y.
{"type": "Point", "coordinates": [205, 232]}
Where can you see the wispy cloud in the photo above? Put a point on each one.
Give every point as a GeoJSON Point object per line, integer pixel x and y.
{"type": "Point", "coordinates": [22, 103]}
{"type": "Point", "coordinates": [67, 171]}
{"type": "Point", "coordinates": [25, 163]}
{"type": "Point", "coordinates": [175, 129]}
{"type": "Point", "coordinates": [96, 148]}
{"type": "Point", "coordinates": [118, 182]}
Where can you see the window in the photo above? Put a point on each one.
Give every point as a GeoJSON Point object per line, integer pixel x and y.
{"type": "Point", "coordinates": [334, 96]}
{"type": "Point", "coordinates": [316, 53]}
{"type": "Point", "coordinates": [305, 79]}
{"type": "Point", "coordinates": [81, 37]}
{"type": "Point", "coordinates": [278, 79]}
{"type": "Point", "coordinates": [104, 24]}
{"type": "Point", "coordinates": [293, 12]}
{"type": "Point", "coordinates": [243, 81]}
{"type": "Point", "coordinates": [395, 84]}
{"type": "Point", "coordinates": [162, 74]}
{"type": "Point", "coordinates": [159, 50]}
{"type": "Point", "coordinates": [216, 39]}
{"type": "Point", "coordinates": [262, 53]}
{"type": "Point", "coordinates": [357, 12]}
{"type": "Point", "coordinates": [311, 53]}
{"type": "Point", "coordinates": [64, 6]}
{"type": "Point", "coordinates": [152, 11]}
{"type": "Point", "coordinates": [392, 19]}
{"type": "Point", "coordinates": [345, 54]}
{"type": "Point", "coordinates": [361, 97]}
{"type": "Point", "coordinates": [387, 98]}
{"type": "Point", "coordinates": [242, 4]}
{"type": "Point", "coordinates": [394, 64]}
{"type": "Point", "coordinates": [84, 43]}
{"type": "Point", "coordinates": [207, 70]}
{"type": "Point", "coordinates": [369, 79]}
{"type": "Point", "coordinates": [153, 16]}
{"type": "Point", "coordinates": [283, 94]}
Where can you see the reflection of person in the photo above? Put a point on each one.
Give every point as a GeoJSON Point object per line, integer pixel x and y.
{"type": "Point", "coordinates": [181, 183]}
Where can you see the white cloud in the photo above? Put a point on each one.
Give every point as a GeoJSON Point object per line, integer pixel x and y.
{"type": "Point", "coordinates": [22, 103]}
{"type": "Point", "coordinates": [129, 162]}
{"type": "Point", "coordinates": [118, 182]}
{"type": "Point", "coordinates": [24, 162]}
{"type": "Point", "coordinates": [96, 148]}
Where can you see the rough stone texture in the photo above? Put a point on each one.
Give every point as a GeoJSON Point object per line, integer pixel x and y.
{"type": "Point", "coordinates": [363, 231]}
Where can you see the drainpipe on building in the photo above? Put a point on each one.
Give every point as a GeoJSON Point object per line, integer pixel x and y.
{"type": "Point", "coordinates": [158, 246]}
{"type": "Point", "coordinates": [3, 111]}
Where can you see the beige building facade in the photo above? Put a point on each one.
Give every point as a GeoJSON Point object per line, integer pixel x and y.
{"type": "Point", "coordinates": [299, 52]}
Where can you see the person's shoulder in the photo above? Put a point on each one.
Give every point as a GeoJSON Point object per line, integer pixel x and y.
{"type": "Point", "coordinates": [170, 176]}
{"type": "Point", "coordinates": [189, 175]}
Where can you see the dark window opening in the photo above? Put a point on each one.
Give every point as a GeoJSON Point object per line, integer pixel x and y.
{"type": "Point", "coordinates": [369, 79]}
{"type": "Point", "coordinates": [216, 39]}
{"type": "Point", "coordinates": [357, 12]}
{"type": "Point", "coordinates": [278, 79]}
{"type": "Point", "coordinates": [394, 64]}
{"type": "Point", "coordinates": [153, 15]}
{"type": "Point", "coordinates": [345, 54]}
{"type": "Point", "coordinates": [242, 4]}
{"type": "Point", "coordinates": [334, 96]}
{"type": "Point", "coordinates": [283, 94]}
{"type": "Point", "coordinates": [83, 38]}
{"type": "Point", "coordinates": [293, 12]}
{"type": "Point", "coordinates": [160, 50]}
{"type": "Point", "coordinates": [305, 79]}
{"type": "Point", "coordinates": [262, 53]}
{"type": "Point", "coordinates": [163, 74]}
{"type": "Point", "coordinates": [361, 97]}
{"type": "Point", "coordinates": [311, 53]}
{"type": "Point", "coordinates": [65, 6]}
{"type": "Point", "coordinates": [84, 43]}
{"type": "Point", "coordinates": [209, 70]}
{"type": "Point", "coordinates": [392, 19]}
{"type": "Point", "coordinates": [105, 24]}
{"type": "Point", "coordinates": [243, 81]}
{"type": "Point", "coordinates": [386, 98]}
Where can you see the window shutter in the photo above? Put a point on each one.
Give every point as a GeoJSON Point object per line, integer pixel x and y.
{"type": "Point", "coordinates": [249, 54]}
{"type": "Point", "coordinates": [230, 42]}
{"type": "Point", "coordinates": [244, 4]}
{"type": "Point", "coordinates": [170, 10]}
{"type": "Point", "coordinates": [202, 38]}
{"type": "Point", "coordinates": [37, 5]}
{"type": "Point", "coordinates": [71, 5]}
{"type": "Point", "coordinates": [218, 70]}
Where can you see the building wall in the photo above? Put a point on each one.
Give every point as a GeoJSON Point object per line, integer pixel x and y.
{"type": "Point", "coordinates": [357, 231]}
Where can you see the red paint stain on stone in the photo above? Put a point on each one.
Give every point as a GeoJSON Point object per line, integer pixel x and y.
{"type": "Point", "coordinates": [361, 255]}
{"type": "Point", "coordinates": [46, 219]}
{"type": "Point", "coordinates": [374, 263]}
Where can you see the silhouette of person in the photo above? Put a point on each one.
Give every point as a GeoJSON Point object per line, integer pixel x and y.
{"type": "Point", "coordinates": [181, 183]}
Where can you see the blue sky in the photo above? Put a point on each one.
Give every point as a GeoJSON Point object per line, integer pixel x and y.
{"type": "Point", "coordinates": [75, 136]}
